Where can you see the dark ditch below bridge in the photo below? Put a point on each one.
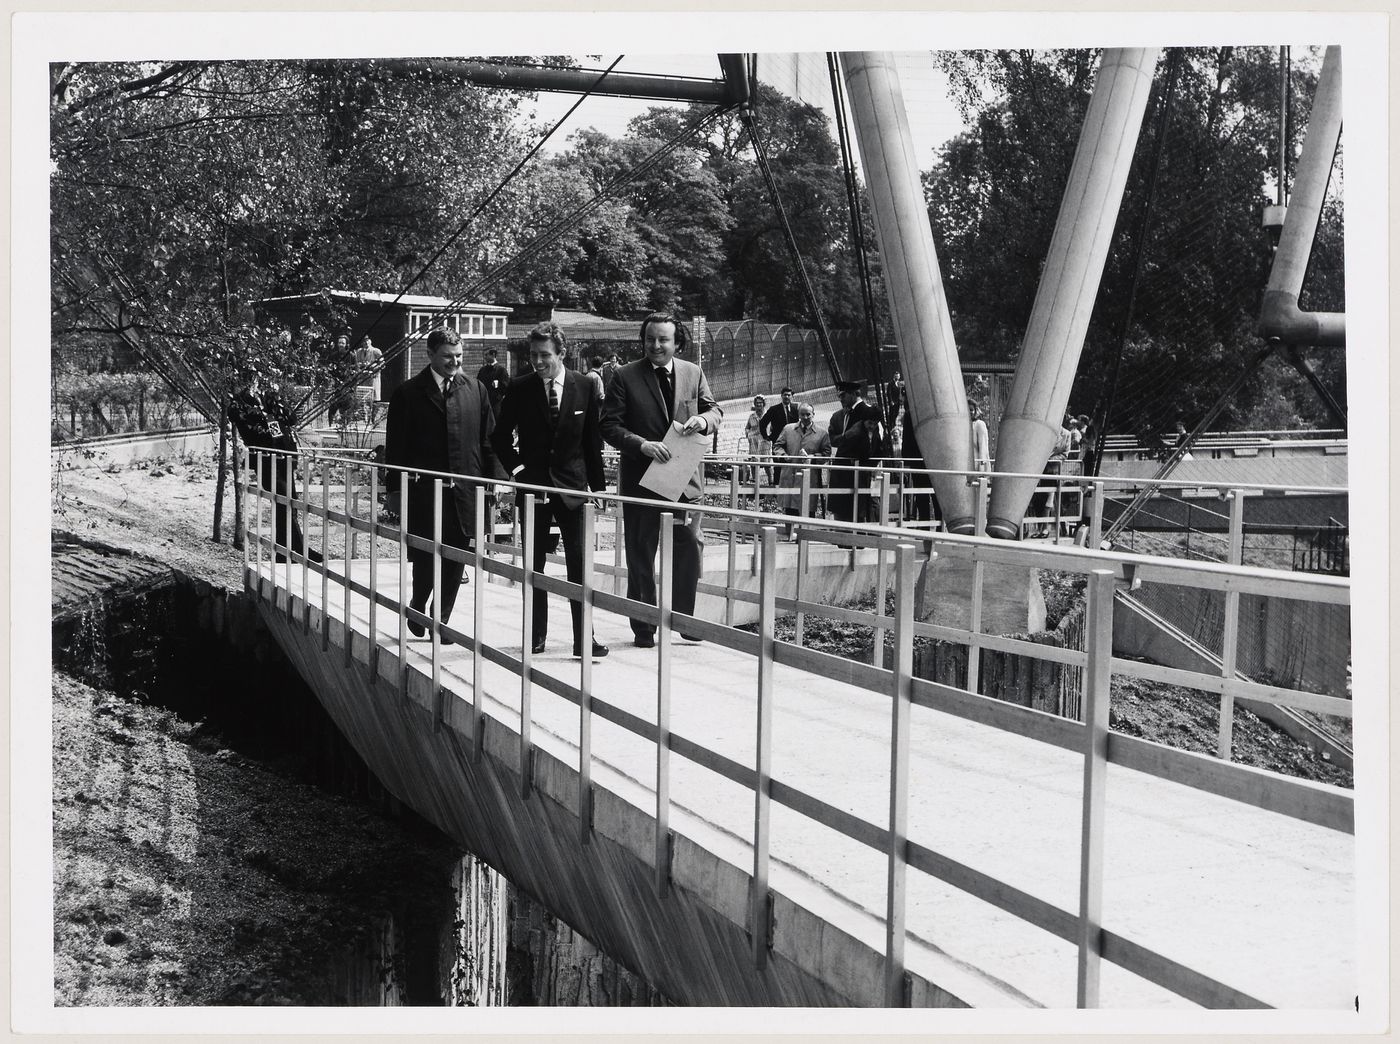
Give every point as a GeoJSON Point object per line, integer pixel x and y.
{"type": "Point", "coordinates": [322, 888]}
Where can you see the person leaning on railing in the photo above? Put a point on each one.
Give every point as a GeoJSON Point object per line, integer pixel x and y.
{"type": "Point", "coordinates": [264, 421]}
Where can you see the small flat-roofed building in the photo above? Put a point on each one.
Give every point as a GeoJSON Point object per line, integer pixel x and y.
{"type": "Point", "coordinates": [389, 320]}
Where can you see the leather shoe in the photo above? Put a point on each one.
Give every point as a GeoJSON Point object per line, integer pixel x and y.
{"type": "Point", "coordinates": [691, 638]}
{"type": "Point", "coordinates": [644, 641]}
{"type": "Point", "coordinates": [416, 629]}
{"type": "Point", "coordinates": [599, 651]}
{"type": "Point", "coordinates": [538, 647]}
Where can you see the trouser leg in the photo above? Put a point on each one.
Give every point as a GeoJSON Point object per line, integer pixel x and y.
{"type": "Point", "coordinates": [641, 532]}
{"type": "Point", "coordinates": [570, 522]}
{"type": "Point", "coordinates": [687, 557]}
{"type": "Point", "coordinates": [539, 619]}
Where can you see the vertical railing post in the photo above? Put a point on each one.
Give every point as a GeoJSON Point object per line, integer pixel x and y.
{"type": "Point", "coordinates": [373, 572]}
{"type": "Point", "coordinates": [284, 465]}
{"type": "Point", "coordinates": [663, 705]}
{"type": "Point", "coordinates": [757, 485]}
{"type": "Point", "coordinates": [1096, 518]}
{"type": "Point", "coordinates": [585, 682]}
{"type": "Point", "coordinates": [901, 692]}
{"type": "Point", "coordinates": [529, 519]}
{"type": "Point", "coordinates": [243, 495]}
{"type": "Point", "coordinates": [304, 466]}
{"type": "Point", "coordinates": [478, 613]}
{"type": "Point", "coordinates": [403, 583]}
{"type": "Point", "coordinates": [882, 579]}
{"type": "Point", "coordinates": [325, 555]}
{"type": "Point", "coordinates": [1230, 635]}
{"type": "Point", "coordinates": [352, 508]}
{"type": "Point", "coordinates": [733, 551]}
{"type": "Point", "coordinates": [1059, 514]}
{"type": "Point", "coordinates": [979, 569]}
{"type": "Point", "coordinates": [1098, 676]}
{"type": "Point", "coordinates": [259, 463]}
{"type": "Point", "coordinates": [349, 630]}
{"type": "Point", "coordinates": [763, 758]}
{"type": "Point", "coordinates": [436, 624]}
{"type": "Point", "coordinates": [617, 510]}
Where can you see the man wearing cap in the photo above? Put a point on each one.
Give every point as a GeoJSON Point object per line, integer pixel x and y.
{"type": "Point", "coordinates": [856, 435]}
{"type": "Point", "coordinates": [645, 399]}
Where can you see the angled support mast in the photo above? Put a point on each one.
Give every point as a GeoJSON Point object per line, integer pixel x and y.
{"type": "Point", "coordinates": [1070, 282]}
{"type": "Point", "coordinates": [1280, 319]}
{"type": "Point", "coordinates": [928, 355]}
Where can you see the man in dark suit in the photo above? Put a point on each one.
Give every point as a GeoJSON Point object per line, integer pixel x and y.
{"type": "Point", "coordinates": [771, 426]}
{"type": "Point", "coordinates": [494, 376]}
{"type": "Point", "coordinates": [547, 435]}
{"type": "Point", "coordinates": [856, 436]}
{"type": "Point", "coordinates": [645, 399]}
{"type": "Point", "coordinates": [439, 420]}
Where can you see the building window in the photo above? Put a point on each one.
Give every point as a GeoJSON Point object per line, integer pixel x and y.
{"type": "Point", "coordinates": [422, 322]}
{"type": "Point", "coordinates": [476, 326]}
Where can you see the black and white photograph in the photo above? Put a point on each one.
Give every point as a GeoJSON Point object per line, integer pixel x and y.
{"type": "Point", "coordinates": [841, 522]}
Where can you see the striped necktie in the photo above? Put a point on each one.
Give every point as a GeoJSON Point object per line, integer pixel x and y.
{"type": "Point", "coordinates": [553, 403]}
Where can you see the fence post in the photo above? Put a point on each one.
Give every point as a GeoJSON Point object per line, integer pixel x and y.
{"type": "Point", "coordinates": [436, 653]}
{"type": "Point", "coordinates": [349, 630]}
{"type": "Point", "coordinates": [1230, 634]}
{"type": "Point", "coordinates": [1098, 676]}
{"type": "Point", "coordinates": [763, 758]}
{"type": "Point", "coordinates": [902, 687]}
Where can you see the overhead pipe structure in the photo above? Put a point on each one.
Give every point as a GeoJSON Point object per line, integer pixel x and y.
{"type": "Point", "coordinates": [1279, 316]}
{"type": "Point", "coordinates": [928, 355]}
{"type": "Point", "coordinates": [1069, 283]}
{"type": "Point", "coordinates": [733, 89]}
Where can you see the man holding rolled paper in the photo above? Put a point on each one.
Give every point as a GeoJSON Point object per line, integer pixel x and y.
{"type": "Point", "coordinates": [646, 399]}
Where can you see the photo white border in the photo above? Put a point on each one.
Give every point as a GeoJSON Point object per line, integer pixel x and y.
{"type": "Point", "coordinates": [40, 38]}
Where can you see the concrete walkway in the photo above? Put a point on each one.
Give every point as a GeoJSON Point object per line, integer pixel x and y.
{"type": "Point", "coordinates": [1259, 901]}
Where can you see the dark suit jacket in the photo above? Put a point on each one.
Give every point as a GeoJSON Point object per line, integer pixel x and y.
{"type": "Point", "coordinates": [851, 437]}
{"type": "Point", "coordinates": [634, 412]}
{"type": "Point", "coordinates": [569, 455]}
{"type": "Point", "coordinates": [424, 430]}
{"type": "Point", "coordinates": [776, 419]}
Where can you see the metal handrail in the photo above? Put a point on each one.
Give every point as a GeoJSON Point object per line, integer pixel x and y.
{"type": "Point", "coordinates": [1107, 572]}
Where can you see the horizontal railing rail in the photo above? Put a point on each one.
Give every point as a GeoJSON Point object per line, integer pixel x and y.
{"type": "Point", "coordinates": [894, 554]}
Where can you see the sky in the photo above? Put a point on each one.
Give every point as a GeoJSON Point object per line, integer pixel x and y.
{"type": "Point", "coordinates": [933, 119]}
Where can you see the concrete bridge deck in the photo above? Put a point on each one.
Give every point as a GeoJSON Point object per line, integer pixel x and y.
{"type": "Point", "coordinates": [1259, 901]}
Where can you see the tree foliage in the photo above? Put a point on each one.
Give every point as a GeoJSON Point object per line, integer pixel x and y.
{"type": "Point", "coordinates": [994, 195]}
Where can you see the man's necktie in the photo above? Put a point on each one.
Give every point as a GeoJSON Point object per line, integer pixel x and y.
{"type": "Point", "coordinates": [553, 403]}
{"type": "Point", "coordinates": [668, 392]}
{"type": "Point", "coordinates": [447, 388]}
